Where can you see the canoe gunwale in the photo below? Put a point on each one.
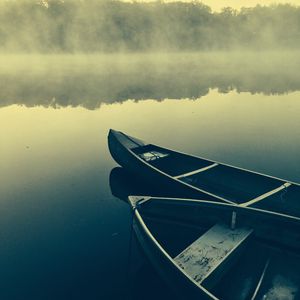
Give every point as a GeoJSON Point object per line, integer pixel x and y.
{"type": "Point", "coordinates": [234, 206]}
{"type": "Point", "coordinates": [229, 165]}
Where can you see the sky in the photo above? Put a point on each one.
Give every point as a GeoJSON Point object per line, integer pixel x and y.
{"type": "Point", "coordinates": [217, 5]}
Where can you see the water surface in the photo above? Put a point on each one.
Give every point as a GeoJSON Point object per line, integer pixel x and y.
{"type": "Point", "coordinates": [63, 234]}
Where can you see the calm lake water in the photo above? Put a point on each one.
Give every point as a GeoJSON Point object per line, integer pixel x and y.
{"type": "Point", "coordinates": [63, 234]}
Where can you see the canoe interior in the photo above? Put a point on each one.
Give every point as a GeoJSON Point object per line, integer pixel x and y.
{"type": "Point", "coordinates": [267, 267]}
{"type": "Point", "coordinates": [126, 140]}
{"type": "Point", "coordinates": [281, 279]}
{"type": "Point", "coordinates": [233, 184]}
{"type": "Point", "coordinates": [172, 163]}
{"type": "Point", "coordinates": [287, 202]}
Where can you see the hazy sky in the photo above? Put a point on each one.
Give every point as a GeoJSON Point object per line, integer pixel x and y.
{"type": "Point", "coordinates": [218, 4]}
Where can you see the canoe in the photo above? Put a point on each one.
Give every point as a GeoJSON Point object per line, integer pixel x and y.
{"type": "Point", "coordinates": [210, 250]}
{"type": "Point", "coordinates": [187, 176]}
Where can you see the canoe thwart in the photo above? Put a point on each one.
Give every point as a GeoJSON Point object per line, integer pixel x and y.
{"type": "Point", "coordinates": [196, 171]}
{"type": "Point", "coordinates": [266, 195]}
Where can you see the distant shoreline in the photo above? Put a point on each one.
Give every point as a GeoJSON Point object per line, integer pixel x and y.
{"type": "Point", "coordinates": [113, 27]}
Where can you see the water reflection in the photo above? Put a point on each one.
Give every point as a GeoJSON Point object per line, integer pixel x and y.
{"type": "Point", "coordinates": [89, 81]}
{"type": "Point", "coordinates": [123, 184]}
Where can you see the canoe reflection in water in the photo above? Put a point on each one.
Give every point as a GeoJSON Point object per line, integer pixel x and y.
{"type": "Point", "coordinates": [143, 279]}
{"type": "Point", "coordinates": [209, 250]}
{"type": "Point", "coordinates": [124, 183]}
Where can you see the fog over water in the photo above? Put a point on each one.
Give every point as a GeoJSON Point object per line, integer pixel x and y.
{"type": "Point", "coordinates": [90, 80]}
{"type": "Point", "coordinates": [57, 26]}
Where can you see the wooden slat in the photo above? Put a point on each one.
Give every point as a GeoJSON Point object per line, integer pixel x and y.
{"type": "Point", "coordinates": [266, 195]}
{"type": "Point", "coordinates": [196, 171]}
{"type": "Point", "coordinates": [203, 256]}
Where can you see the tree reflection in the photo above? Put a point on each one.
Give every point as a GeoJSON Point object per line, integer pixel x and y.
{"type": "Point", "coordinates": [89, 81]}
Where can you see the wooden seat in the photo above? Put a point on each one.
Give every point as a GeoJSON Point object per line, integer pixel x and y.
{"type": "Point", "coordinates": [204, 258]}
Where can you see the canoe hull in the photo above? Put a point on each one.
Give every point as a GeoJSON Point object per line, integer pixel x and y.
{"type": "Point", "coordinates": [166, 185]}
{"type": "Point", "coordinates": [276, 233]}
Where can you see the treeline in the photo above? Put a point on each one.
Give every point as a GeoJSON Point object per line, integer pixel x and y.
{"type": "Point", "coordinates": [114, 26]}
